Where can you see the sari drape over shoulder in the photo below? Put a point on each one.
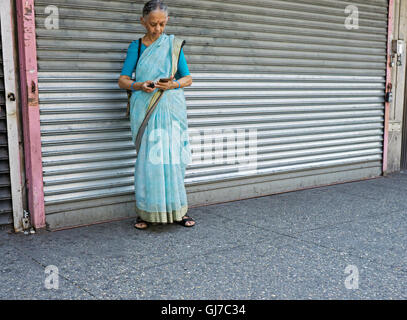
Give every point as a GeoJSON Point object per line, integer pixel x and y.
{"type": "Point", "coordinates": [164, 149]}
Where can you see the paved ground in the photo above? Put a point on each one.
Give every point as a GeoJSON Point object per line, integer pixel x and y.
{"type": "Point", "coordinates": [295, 245]}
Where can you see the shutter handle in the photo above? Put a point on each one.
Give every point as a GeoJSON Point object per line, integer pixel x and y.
{"type": "Point", "coordinates": [11, 96]}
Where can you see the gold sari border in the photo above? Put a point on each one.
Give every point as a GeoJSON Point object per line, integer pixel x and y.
{"type": "Point", "coordinates": [162, 217]}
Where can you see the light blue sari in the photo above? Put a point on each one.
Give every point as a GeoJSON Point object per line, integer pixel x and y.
{"type": "Point", "coordinates": [164, 150]}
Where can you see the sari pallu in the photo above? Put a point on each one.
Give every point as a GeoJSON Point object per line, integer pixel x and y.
{"type": "Point", "coordinates": [164, 150]}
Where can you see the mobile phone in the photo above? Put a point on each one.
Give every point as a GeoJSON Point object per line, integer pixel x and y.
{"type": "Point", "coordinates": [151, 85]}
{"type": "Point", "coordinates": [165, 79]}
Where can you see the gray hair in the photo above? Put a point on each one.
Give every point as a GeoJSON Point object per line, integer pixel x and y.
{"type": "Point", "coordinates": [153, 5]}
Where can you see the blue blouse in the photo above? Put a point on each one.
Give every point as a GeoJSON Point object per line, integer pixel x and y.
{"type": "Point", "coordinates": [131, 59]}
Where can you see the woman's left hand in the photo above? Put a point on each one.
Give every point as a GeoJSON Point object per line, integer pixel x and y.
{"type": "Point", "coordinates": [165, 85]}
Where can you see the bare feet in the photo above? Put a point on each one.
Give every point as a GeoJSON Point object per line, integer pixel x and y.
{"type": "Point", "coordinates": [140, 224]}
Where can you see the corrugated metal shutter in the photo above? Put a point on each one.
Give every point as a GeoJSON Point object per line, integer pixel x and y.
{"type": "Point", "coordinates": [312, 89]}
{"type": "Point", "coordinates": [6, 209]}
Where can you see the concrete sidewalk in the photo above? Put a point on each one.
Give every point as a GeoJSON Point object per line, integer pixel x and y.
{"type": "Point", "coordinates": [295, 245]}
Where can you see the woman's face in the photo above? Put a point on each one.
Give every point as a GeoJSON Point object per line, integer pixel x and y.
{"type": "Point", "coordinates": [155, 22]}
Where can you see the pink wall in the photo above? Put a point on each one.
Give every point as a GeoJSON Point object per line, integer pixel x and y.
{"type": "Point", "coordinates": [388, 81]}
{"type": "Point", "coordinates": [30, 110]}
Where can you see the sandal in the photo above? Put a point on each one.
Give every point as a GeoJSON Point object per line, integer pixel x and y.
{"type": "Point", "coordinates": [184, 220]}
{"type": "Point", "coordinates": [140, 221]}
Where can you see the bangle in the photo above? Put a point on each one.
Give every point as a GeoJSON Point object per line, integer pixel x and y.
{"type": "Point", "coordinates": [178, 84]}
{"type": "Point", "coordinates": [131, 87]}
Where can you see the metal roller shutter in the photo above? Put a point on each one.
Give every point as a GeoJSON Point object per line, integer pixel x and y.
{"type": "Point", "coordinates": [6, 209]}
{"type": "Point", "coordinates": [312, 89]}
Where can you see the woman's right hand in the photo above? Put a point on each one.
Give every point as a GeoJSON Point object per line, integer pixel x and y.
{"type": "Point", "coordinates": [146, 88]}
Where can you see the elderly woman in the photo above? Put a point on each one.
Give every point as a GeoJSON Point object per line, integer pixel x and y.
{"type": "Point", "coordinates": [161, 139]}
